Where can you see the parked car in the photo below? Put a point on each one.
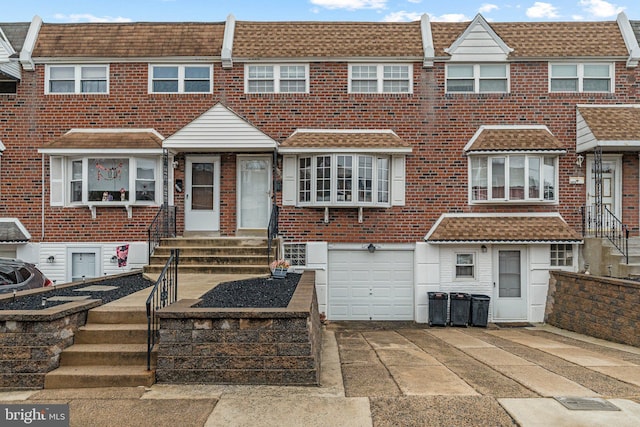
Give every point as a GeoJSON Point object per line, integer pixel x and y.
{"type": "Point", "coordinates": [19, 275]}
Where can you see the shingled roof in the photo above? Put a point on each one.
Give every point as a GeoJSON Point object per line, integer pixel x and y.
{"type": "Point", "coordinates": [129, 40]}
{"type": "Point", "coordinates": [615, 123]}
{"type": "Point", "coordinates": [16, 33]}
{"type": "Point", "coordinates": [514, 138]}
{"type": "Point", "coordinates": [494, 229]}
{"type": "Point", "coordinates": [106, 139]}
{"type": "Point", "coordinates": [347, 139]}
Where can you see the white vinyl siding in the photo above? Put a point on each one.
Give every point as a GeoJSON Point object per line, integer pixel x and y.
{"type": "Point", "coordinates": [565, 77]}
{"type": "Point", "coordinates": [380, 78]}
{"type": "Point", "coordinates": [70, 79]}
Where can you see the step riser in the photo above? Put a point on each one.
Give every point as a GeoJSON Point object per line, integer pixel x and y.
{"type": "Point", "coordinates": [164, 251]}
{"type": "Point", "coordinates": [84, 381]}
{"type": "Point", "coordinates": [117, 317]}
{"type": "Point", "coordinates": [110, 337]}
{"type": "Point", "coordinates": [213, 260]}
{"type": "Point", "coordinates": [105, 358]}
{"type": "Point", "coordinates": [231, 242]}
{"type": "Point", "coordinates": [228, 269]}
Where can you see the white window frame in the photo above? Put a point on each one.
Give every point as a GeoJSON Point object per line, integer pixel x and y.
{"type": "Point", "coordinates": [476, 77]}
{"type": "Point", "coordinates": [277, 78]}
{"type": "Point", "coordinates": [380, 79]}
{"type": "Point", "coordinates": [295, 253]}
{"type": "Point", "coordinates": [506, 199]}
{"type": "Point", "coordinates": [561, 255]}
{"type": "Point", "coordinates": [456, 264]}
{"type": "Point", "coordinates": [132, 180]}
{"type": "Point", "coordinates": [581, 77]}
{"type": "Point", "coordinates": [334, 199]}
{"type": "Point", "coordinates": [181, 79]}
{"type": "Point", "coordinates": [77, 79]}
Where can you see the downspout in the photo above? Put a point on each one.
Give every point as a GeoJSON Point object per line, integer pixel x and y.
{"type": "Point", "coordinates": [42, 200]}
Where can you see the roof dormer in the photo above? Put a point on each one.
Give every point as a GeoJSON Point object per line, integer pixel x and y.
{"type": "Point", "coordinates": [479, 43]}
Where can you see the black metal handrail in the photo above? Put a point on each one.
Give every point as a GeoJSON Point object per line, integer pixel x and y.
{"type": "Point", "coordinates": [162, 226]}
{"type": "Point", "coordinates": [164, 293]}
{"type": "Point", "coordinates": [599, 221]}
{"type": "Point", "coordinates": [272, 230]}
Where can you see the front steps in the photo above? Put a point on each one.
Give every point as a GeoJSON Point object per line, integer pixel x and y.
{"type": "Point", "coordinates": [208, 255]}
{"type": "Point", "coordinates": [606, 260]}
{"type": "Point", "coordinates": [109, 351]}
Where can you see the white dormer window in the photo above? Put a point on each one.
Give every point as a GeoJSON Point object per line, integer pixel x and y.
{"type": "Point", "coordinates": [566, 77]}
{"type": "Point", "coordinates": [380, 78]}
{"type": "Point", "coordinates": [273, 78]}
{"type": "Point", "coordinates": [76, 79]}
{"type": "Point", "coordinates": [477, 78]}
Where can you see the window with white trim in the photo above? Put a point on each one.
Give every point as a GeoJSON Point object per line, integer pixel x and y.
{"type": "Point", "coordinates": [477, 78]}
{"type": "Point", "coordinates": [76, 79]}
{"type": "Point", "coordinates": [564, 77]}
{"type": "Point", "coordinates": [380, 78]}
{"type": "Point", "coordinates": [172, 78]}
{"type": "Point", "coordinates": [296, 254]}
{"type": "Point", "coordinates": [513, 178]}
{"type": "Point", "coordinates": [561, 255]}
{"type": "Point", "coordinates": [465, 265]}
{"type": "Point", "coordinates": [274, 78]}
{"type": "Point", "coordinates": [343, 179]}
{"type": "Point", "coordinates": [113, 180]}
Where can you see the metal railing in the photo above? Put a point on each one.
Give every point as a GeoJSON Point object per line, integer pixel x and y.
{"type": "Point", "coordinates": [272, 230]}
{"type": "Point", "coordinates": [162, 226]}
{"type": "Point", "coordinates": [164, 293]}
{"type": "Point", "coordinates": [599, 221]}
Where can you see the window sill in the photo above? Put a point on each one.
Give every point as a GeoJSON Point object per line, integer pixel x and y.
{"type": "Point", "coordinates": [128, 207]}
{"type": "Point", "coordinates": [513, 202]}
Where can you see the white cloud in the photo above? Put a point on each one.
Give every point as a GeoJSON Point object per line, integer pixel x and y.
{"type": "Point", "coordinates": [542, 10]}
{"type": "Point", "coordinates": [415, 1]}
{"type": "Point", "coordinates": [402, 16]}
{"type": "Point", "coordinates": [351, 4]}
{"type": "Point", "coordinates": [487, 7]}
{"type": "Point", "coordinates": [601, 8]}
{"type": "Point", "coordinates": [87, 17]}
{"type": "Point", "coordinates": [451, 17]}
{"type": "Point", "coordinates": [577, 17]}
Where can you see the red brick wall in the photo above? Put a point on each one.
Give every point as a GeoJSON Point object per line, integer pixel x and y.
{"type": "Point", "coordinates": [436, 124]}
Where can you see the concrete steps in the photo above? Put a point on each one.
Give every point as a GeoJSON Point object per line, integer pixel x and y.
{"type": "Point", "coordinates": [99, 376]}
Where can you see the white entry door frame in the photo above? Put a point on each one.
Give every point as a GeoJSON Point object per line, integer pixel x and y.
{"type": "Point", "coordinates": [253, 191]}
{"type": "Point", "coordinates": [202, 193]}
{"type": "Point", "coordinates": [511, 284]}
{"type": "Point", "coordinates": [611, 182]}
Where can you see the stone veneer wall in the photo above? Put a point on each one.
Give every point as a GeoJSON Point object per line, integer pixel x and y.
{"type": "Point", "coordinates": [31, 341]}
{"type": "Point", "coordinates": [600, 307]}
{"type": "Point", "coordinates": [242, 345]}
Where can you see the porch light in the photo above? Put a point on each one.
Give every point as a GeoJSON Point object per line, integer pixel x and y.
{"type": "Point", "coordinates": [51, 259]}
{"type": "Point", "coordinates": [483, 248]}
{"type": "Point", "coordinates": [579, 160]}
{"type": "Point", "coordinates": [114, 259]}
{"type": "Point", "coordinates": [371, 248]}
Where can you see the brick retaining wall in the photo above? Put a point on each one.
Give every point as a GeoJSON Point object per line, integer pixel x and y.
{"type": "Point", "coordinates": [242, 346]}
{"type": "Point", "coordinates": [600, 307]}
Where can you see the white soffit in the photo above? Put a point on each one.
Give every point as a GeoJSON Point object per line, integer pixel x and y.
{"type": "Point", "coordinates": [479, 43]}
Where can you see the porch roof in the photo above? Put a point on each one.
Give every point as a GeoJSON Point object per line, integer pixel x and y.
{"type": "Point", "coordinates": [612, 127]}
{"type": "Point", "coordinates": [87, 140]}
{"type": "Point", "coordinates": [310, 140]}
{"type": "Point", "coordinates": [12, 231]}
{"type": "Point", "coordinates": [513, 138]}
{"type": "Point", "coordinates": [502, 228]}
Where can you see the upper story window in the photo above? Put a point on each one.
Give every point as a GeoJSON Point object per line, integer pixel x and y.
{"type": "Point", "coordinates": [180, 78]}
{"type": "Point", "coordinates": [477, 78]}
{"type": "Point", "coordinates": [581, 77]}
{"type": "Point", "coordinates": [344, 179]}
{"type": "Point", "coordinates": [77, 79]}
{"type": "Point", "coordinates": [268, 78]}
{"type": "Point", "coordinates": [513, 178]}
{"type": "Point", "coordinates": [8, 86]}
{"type": "Point", "coordinates": [380, 78]}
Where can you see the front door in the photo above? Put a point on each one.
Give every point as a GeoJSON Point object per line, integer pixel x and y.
{"type": "Point", "coordinates": [254, 192]}
{"type": "Point", "coordinates": [510, 286]}
{"type": "Point", "coordinates": [610, 185]}
{"type": "Point", "coordinates": [202, 194]}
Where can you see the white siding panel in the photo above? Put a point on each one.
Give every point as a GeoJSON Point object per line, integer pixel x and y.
{"type": "Point", "coordinates": [289, 184]}
{"type": "Point", "coordinates": [585, 139]}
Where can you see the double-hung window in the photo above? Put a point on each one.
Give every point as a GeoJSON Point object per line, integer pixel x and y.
{"type": "Point", "coordinates": [513, 178]}
{"type": "Point", "coordinates": [566, 77]}
{"type": "Point", "coordinates": [180, 78]}
{"type": "Point", "coordinates": [465, 266]}
{"type": "Point", "coordinates": [477, 78]}
{"type": "Point", "coordinates": [271, 78]}
{"type": "Point", "coordinates": [380, 78]}
{"type": "Point", "coordinates": [76, 79]}
{"type": "Point", "coordinates": [344, 180]}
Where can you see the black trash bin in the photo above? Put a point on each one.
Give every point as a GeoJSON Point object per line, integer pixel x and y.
{"type": "Point", "coordinates": [479, 310]}
{"type": "Point", "coordinates": [460, 308]}
{"type": "Point", "coordinates": [438, 308]}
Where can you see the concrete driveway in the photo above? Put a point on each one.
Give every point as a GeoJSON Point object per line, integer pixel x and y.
{"type": "Point", "coordinates": [396, 374]}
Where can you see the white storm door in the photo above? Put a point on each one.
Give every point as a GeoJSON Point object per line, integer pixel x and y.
{"type": "Point", "coordinates": [83, 266]}
{"type": "Point", "coordinates": [510, 291]}
{"type": "Point", "coordinates": [202, 194]}
{"type": "Point", "coordinates": [254, 192]}
{"type": "Point", "coordinates": [610, 183]}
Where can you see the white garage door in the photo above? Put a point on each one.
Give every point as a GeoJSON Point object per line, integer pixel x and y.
{"type": "Point", "coordinates": [370, 286]}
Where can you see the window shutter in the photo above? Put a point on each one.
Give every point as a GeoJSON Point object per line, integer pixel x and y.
{"type": "Point", "coordinates": [398, 181]}
{"type": "Point", "coordinates": [56, 181]}
{"type": "Point", "coordinates": [289, 181]}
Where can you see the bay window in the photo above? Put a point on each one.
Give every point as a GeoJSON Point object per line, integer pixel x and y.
{"type": "Point", "coordinates": [513, 178]}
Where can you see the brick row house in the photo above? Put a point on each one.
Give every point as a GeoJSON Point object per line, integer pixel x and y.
{"type": "Point", "coordinates": [403, 157]}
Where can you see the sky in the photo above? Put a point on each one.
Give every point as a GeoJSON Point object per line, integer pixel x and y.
{"type": "Point", "coordinates": [64, 11]}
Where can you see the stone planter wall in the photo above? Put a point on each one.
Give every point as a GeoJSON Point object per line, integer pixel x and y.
{"type": "Point", "coordinates": [242, 346]}
{"type": "Point", "coordinates": [600, 307]}
{"type": "Point", "coordinates": [31, 342]}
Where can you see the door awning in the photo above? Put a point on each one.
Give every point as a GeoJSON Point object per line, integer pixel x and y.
{"type": "Point", "coordinates": [611, 127]}
{"type": "Point", "coordinates": [502, 228]}
{"type": "Point", "coordinates": [12, 231]}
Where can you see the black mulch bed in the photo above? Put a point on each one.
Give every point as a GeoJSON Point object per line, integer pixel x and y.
{"type": "Point", "coordinates": [253, 293]}
{"type": "Point", "coordinates": [125, 285]}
